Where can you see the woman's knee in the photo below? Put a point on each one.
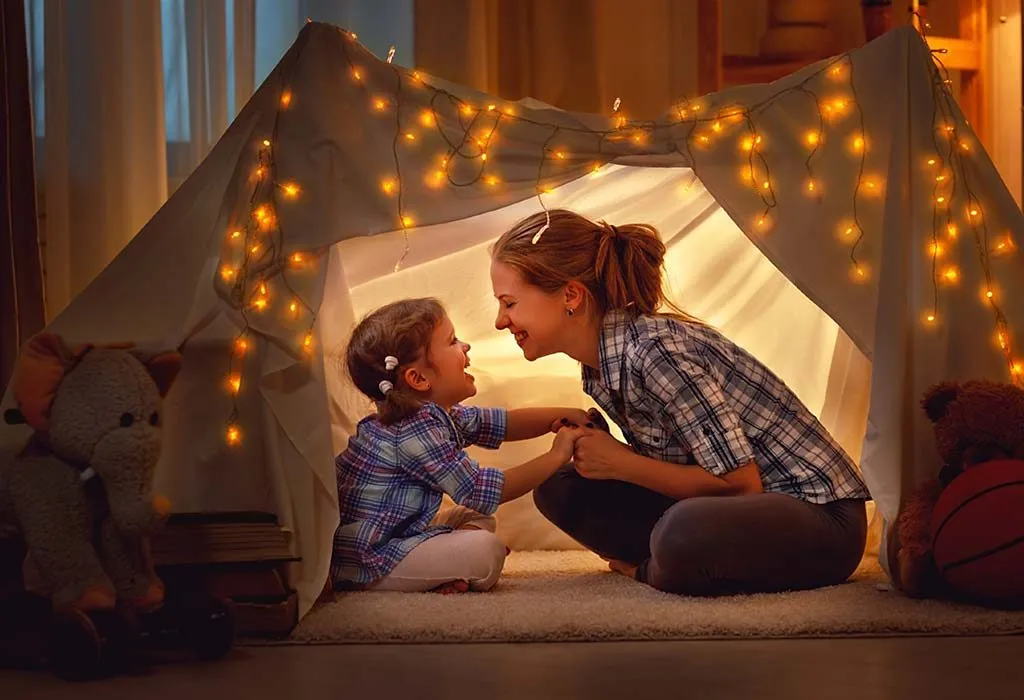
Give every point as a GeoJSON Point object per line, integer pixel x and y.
{"type": "Point", "coordinates": [683, 550]}
{"type": "Point", "coordinates": [553, 497]}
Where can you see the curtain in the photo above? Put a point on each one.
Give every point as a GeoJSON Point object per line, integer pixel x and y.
{"type": "Point", "coordinates": [21, 287]}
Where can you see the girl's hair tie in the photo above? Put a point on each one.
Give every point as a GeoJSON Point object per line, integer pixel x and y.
{"type": "Point", "coordinates": [385, 386]}
{"type": "Point", "coordinates": [390, 362]}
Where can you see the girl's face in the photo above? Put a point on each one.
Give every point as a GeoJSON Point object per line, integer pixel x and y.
{"type": "Point", "coordinates": [535, 318]}
{"type": "Point", "coordinates": [445, 373]}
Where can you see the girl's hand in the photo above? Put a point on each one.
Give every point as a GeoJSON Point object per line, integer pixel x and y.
{"type": "Point", "coordinates": [564, 443]}
{"type": "Point", "coordinates": [598, 455]}
{"type": "Point", "coordinates": [575, 418]}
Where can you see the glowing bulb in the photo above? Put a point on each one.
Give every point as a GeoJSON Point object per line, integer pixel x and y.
{"type": "Point", "coordinates": [291, 190]}
{"type": "Point", "coordinates": [260, 304]}
{"type": "Point", "coordinates": [293, 308]}
{"type": "Point", "coordinates": [766, 185]}
{"type": "Point", "coordinates": [241, 345]}
{"type": "Point", "coordinates": [234, 435]}
{"type": "Point", "coordinates": [255, 248]}
{"type": "Point", "coordinates": [356, 75]}
{"type": "Point", "coordinates": [409, 136]}
{"type": "Point", "coordinates": [491, 108]}
{"type": "Point", "coordinates": [467, 110]}
{"type": "Point", "coordinates": [417, 76]}
{"type": "Point", "coordinates": [235, 235]}
{"type": "Point", "coordinates": [407, 221]}
{"type": "Point", "coordinates": [704, 139]}
{"type": "Point", "coordinates": [491, 180]}
{"type": "Point", "coordinates": [266, 142]}
{"type": "Point", "coordinates": [940, 178]}
{"type": "Point", "coordinates": [263, 288]}
{"type": "Point", "coordinates": [989, 294]}
{"type": "Point", "coordinates": [286, 98]}
{"type": "Point", "coordinates": [951, 230]}
{"type": "Point", "coordinates": [716, 127]}
{"type": "Point", "coordinates": [427, 118]}
{"type": "Point", "coordinates": [297, 258]}
{"type": "Point", "coordinates": [974, 212]}
{"type": "Point", "coordinates": [227, 272]}
{"type": "Point", "coordinates": [259, 172]}
{"type": "Point", "coordinates": [951, 274]}
{"type": "Point", "coordinates": [307, 342]}
{"type": "Point", "coordinates": [931, 161]}
{"type": "Point", "coordinates": [260, 213]}
{"type": "Point", "coordinates": [858, 144]}
{"type": "Point", "coordinates": [935, 249]}
{"type": "Point", "coordinates": [1003, 342]}
{"type": "Point", "coordinates": [388, 186]}
{"type": "Point", "coordinates": [848, 231]}
{"type": "Point", "coordinates": [380, 104]}
{"type": "Point", "coordinates": [1017, 367]}
{"type": "Point", "coordinates": [940, 199]}
{"type": "Point", "coordinates": [235, 382]}
{"type": "Point", "coordinates": [748, 143]}
{"type": "Point", "coordinates": [963, 145]}
{"type": "Point", "coordinates": [813, 138]}
{"type": "Point", "coordinates": [930, 318]}
{"type": "Point", "coordinates": [811, 186]}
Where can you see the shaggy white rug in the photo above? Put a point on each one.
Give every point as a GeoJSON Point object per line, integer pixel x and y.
{"type": "Point", "coordinates": [571, 595]}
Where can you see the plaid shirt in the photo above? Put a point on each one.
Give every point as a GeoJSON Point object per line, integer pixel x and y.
{"type": "Point", "coordinates": [683, 393]}
{"type": "Point", "coordinates": [391, 479]}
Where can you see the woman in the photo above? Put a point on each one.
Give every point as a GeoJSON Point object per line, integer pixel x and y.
{"type": "Point", "coordinates": [728, 484]}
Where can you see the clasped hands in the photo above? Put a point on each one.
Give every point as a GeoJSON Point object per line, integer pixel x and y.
{"type": "Point", "coordinates": [595, 453]}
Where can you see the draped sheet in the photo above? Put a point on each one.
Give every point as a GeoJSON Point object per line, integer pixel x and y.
{"type": "Point", "coordinates": [783, 290]}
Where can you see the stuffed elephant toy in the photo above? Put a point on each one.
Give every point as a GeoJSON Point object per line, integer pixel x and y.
{"type": "Point", "coordinates": [80, 492]}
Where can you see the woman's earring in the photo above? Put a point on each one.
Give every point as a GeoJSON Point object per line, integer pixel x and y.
{"type": "Point", "coordinates": [568, 312]}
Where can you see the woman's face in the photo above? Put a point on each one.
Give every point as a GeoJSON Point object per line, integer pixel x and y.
{"type": "Point", "coordinates": [535, 318]}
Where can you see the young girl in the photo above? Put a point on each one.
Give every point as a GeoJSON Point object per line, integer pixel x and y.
{"type": "Point", "coordinates": [391, 477]}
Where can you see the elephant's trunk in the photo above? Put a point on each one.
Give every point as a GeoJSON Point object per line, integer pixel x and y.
{"type": "Point", "coordinates": [125, 461]}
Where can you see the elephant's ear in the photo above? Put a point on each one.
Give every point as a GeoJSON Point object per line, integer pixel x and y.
{"type": "Point", "coordinates": [163, 368]}
{"type": "Point", "coordinates": [42, 364]}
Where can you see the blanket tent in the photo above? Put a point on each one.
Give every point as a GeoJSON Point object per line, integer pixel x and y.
{"type": "Point", "coordinates": [843, 223]}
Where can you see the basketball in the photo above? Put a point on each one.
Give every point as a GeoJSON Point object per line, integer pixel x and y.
{"type": "Point", "coordinates": [977, 530]}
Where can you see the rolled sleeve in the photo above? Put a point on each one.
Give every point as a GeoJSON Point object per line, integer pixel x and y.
{"type": "Point", "coordinates": [433, 458]}
{"type": "Point", "coordinates": [695, 408]}
{"type": "Point", "coordinates": [485, 427]}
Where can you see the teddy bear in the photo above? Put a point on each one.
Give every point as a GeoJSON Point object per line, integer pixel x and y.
{"type": "Point", "coordinates": [974, 422]}
{"type": "Point", "coordinates": [79, 494]}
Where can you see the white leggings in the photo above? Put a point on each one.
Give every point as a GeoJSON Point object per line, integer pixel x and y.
{"type": "Point", "coordinates": [471, 553]}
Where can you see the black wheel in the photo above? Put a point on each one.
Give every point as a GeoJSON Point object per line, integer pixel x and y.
{"type": "Point", "coordinates": [211, 628]}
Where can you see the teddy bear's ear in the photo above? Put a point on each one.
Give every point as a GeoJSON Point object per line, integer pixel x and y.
{"type": "Point", "coordinates": [164, 369]}
{"type": "Point", "coordinates": [42, 364]}
{"type": "Point", "coordinates": [938, 398]}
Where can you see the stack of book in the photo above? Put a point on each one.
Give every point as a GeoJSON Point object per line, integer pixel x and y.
{"type": "Point", "coordinates": [238, 555]}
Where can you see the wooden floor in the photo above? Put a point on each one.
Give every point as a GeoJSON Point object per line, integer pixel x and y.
{"type": "Point", "coordinates": [980, 668]}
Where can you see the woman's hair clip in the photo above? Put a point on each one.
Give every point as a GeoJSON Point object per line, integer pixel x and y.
{"type": "Point", "coordinates": [390, 362]}
{"type": "Point", "coordinates": [385, 386]}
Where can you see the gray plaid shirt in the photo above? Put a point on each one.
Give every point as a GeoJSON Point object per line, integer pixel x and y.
{"type": "Point", "coordinates": [681, 392]}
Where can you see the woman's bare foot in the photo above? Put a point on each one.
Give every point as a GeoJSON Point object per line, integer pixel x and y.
{"type": "Point", "coordinates": [459, 586]}
{"type": "Point", "coordinates": [622, 567]}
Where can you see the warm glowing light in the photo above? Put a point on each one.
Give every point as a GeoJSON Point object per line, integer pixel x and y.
{"type": "Point", "coordinates": [940, 178]}
{"type": "Point", "coordinates": [260, 304]}
{"type": "Point", "coordinates": [235, 235]}
{"type": "Point", "coordinates": [930, 318]}
{"type": "Point", "coordinates": [436, 178]}
{"type": "Point", "coordinates": [241, 345]}
{"type": "Point", "coordinates": [951, 230]}
{"type": "Point", "coordinates": [813, 138]}
{"type": "Point", "coordinates": [409, 136]}
{"type": "Point", "coordinates": [1017, 368]}
{"type": "Point", "coordinates": [407, 221]}
{"type": "Point", "coordinates": [235, 382]}
{"type": "Point", "coordinates": [858, 144]}
{"type": "Point", "coordinates": [380, 104]}
{"type": "Point", "coordinates": [234, 435]}
{"type": "Point", "coordinates": [951, 274]}
{"type": "Point", "coordinates": [965, 146]}
{"type": "Point", "coordinates": [859, 273]}
{"type": "Point", "coordinates": [491, 180]}
{"type": "Point", "coordinates": [263, 288]}
{"type": "Point", "coordinates": [974, 212]}
{"type": "Point", "coordinates": [811, 186]}
{"type": "Point", "coordinates": [935, 249]}
{"type": "Point", "coordinates": [483, 156]}
{"type": "Point", "coordinates": [704, 139]}
{"type": "Point", "coordinates": [940, 199]}
{"type": "Point", "coordinates": [427, 118]}
{"type": "Point", "coordinates": [286, 98]}
{"type": "Point", "coordinates": [227, 273]}
{"type": "Point", "coordinates": [467, 110]}
{"type": "Point", "coordinates": [1002, 340]}
{"type": "Point", "coordinates": [260, 213]}
{"type": "Point", "coordinates": [307, 342]}
{"type": "Point", "coordinates": [748, 143]}
{"type": "Point", "coordinates": [259, 172]}
{"type": "Point", "coordinates": [491, 108]}
{"type": "Point", "coordinates": [356, 74]}
{"type": "Point", "coordinates": [297, 258]}
{"type": "Point", "coordinates": [716, 127]}
{"type": "Point", "coordinates": [931, 161]}
{"type": "Point", "coordinates": [766, 185]}
{"type": "Point", "coordinates": [255, 248]}
{"type": "Point", "coordinates": [1004, 246]}
{"type": "Point", "coordinates": [291, 190]}
{"type": "Point", "coordinates": [293, 308]}
{"type": "Point", "coordinates": [388, 186]}
{"type": "Point", "coordinates": [266, 142]}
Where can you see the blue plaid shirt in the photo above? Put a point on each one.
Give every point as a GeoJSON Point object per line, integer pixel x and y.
{"type": "Point", "coordinates": [681, 392]}
{"type": "Point", "coordinates": [391, 479]}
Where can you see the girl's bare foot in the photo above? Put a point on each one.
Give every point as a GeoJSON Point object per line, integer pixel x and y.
{"type": "Point", "coordinates": [459, 586]}
{"type": "Point", "coordinates": [622, 567]}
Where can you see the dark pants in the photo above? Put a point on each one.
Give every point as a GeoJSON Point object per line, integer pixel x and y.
{"type": "Point", "coordinates": [709, 545]}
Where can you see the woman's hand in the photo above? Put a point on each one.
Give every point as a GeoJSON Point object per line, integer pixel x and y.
{"type": "Point", "coordinates": [600, 456]}
{"type": "Point", "coordinates": [576, 418]}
